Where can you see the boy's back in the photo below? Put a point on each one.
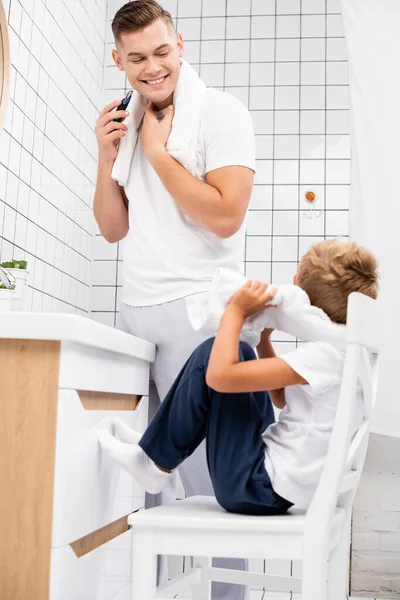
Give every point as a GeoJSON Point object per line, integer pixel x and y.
{"type": "Point", "coordinates": [297, 444]}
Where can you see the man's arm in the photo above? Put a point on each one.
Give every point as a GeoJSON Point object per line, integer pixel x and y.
{"type": "Point", "coordinates": [220, 203]}
{"type": "Point", "coordinates": [265, 349]}
{"type": "Point", "coordinates": [110, 204]}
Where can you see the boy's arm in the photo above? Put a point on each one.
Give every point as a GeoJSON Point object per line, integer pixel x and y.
{"type": "Point", "coordinates": [265, 349]}
{"type": "Point", "coordinates": [227, 375]}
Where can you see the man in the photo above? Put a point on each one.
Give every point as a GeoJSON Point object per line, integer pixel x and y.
{"type": "Point", "coordinates": [179, 227]}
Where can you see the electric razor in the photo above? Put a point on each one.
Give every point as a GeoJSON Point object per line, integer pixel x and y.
{"type": "Point", "coordinates": [124, 105]}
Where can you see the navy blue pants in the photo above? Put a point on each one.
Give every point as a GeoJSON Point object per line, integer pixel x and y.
{"type": "Point", "coordinates": [232, 425]}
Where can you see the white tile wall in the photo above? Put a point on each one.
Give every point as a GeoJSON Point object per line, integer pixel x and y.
{"type": "Point", "coordinates": [48, 148]}
{"type": "Point", "coordinates": [376, 522]}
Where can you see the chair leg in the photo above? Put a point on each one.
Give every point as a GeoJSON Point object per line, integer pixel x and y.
{"type": "Point", "coordinates": [202, 591]}
{"type": "Point", "coordinates": [144, 566]}
{"type": "Point", "coordinates": [315, 579]}
{"type": "Point", "coordinates": [338, 575]}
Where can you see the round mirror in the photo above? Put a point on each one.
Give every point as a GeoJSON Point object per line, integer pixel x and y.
{"type": "Point", "coordinates": [4, 64]}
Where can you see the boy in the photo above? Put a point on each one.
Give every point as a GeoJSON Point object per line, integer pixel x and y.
{"type": "Point", "coordinates": [257, 466]}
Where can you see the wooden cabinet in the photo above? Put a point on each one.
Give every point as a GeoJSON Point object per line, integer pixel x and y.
{"type": "Point", "coordinates": [62, 378]}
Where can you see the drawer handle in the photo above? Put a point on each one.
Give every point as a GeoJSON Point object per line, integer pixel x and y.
{"type": "Point", "coordinates": [101, 536]}
{"type": "Point", "coordinates": [108, 400]}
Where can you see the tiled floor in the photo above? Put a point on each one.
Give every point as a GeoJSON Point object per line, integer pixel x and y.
{"type": "Point", "coordinates": [254, 595]}
{"type": "Point", "coordinates": [260, 595]}
{"type": "Point", "coordinates": [118, 589]}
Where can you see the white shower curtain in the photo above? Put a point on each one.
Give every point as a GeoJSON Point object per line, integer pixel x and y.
{"type": "Point", "coordinates": [372, 29]}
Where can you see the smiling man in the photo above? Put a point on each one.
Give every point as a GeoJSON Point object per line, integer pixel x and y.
{"type": "Point", "coordinates": [151, 58]}
{"type": "Point", "coordinates": [179, 226]}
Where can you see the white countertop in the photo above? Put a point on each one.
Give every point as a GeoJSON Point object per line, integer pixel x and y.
{"type": "Point", "coordinates": [73, 328]}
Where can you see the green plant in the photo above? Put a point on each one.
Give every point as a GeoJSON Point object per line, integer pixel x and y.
{"type": "Point", "coordinates": [14, 264]}
{"type": "Point", "coordinates": [2, 286]}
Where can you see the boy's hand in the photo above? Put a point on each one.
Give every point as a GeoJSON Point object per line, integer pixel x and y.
{"type": "Point", "coordinates": [267, 333]}
{"type": "Point", "coordinates": [252, 297]}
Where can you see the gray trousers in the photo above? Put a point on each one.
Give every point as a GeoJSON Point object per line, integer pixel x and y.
{"type": "Point", "coordinates": [168, 327]}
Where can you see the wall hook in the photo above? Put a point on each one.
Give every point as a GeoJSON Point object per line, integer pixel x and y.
{"type": "Point", "coordinates": [311, 199]}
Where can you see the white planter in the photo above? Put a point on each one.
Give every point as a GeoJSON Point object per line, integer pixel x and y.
{"type": "Point", "coordinates": [6, 299]}
{"type": "Point", "coordinates": [21, 276]}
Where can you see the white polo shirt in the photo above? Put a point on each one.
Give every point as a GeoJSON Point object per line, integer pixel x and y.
{"type": "Point", "coordinates": [297, 444]}
{"type": "Point", "coordinates": [166, 254]}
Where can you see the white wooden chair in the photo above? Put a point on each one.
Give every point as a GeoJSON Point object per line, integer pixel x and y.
{"type": "Point", "coordinates": [320, 536]}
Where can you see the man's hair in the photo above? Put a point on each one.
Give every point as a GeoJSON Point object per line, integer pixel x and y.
{"type": "Point", "coordinates": [332, 270]}
{"type": "Point", "coordinates": [137, 15]}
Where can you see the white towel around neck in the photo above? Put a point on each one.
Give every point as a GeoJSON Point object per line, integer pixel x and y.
{"type": "Point", "coordinates": [188, 98]}
{"type": "Point", "coordinates": [292, 312]}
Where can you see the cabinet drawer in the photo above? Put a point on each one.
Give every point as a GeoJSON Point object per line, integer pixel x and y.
{"type": "Point", "coordinates": [85, 481]}
{"type": "Point", "coordinates": [95, 369]}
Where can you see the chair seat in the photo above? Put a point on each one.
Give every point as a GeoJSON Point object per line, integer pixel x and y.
{"type": "Point", "coordinates": [203, 512]}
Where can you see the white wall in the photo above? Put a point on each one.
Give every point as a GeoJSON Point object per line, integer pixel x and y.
{"type": "Point", "coordinates": [376, 522]}
{"type": "Point", "coordinates": [48, 149]}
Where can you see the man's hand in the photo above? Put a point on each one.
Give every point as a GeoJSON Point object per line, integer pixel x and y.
{"type": "Point", "coordinates": [252, 297]}
{"type": "Point", "coordinates": [109, 133]}
{"type": "Point", "coordinates": [155, 133]}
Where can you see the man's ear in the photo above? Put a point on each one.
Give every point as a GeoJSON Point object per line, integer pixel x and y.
{"type": "Point", "coordinates": [181, 44]}
{"type": "Point", "coordinates": [117, 60]}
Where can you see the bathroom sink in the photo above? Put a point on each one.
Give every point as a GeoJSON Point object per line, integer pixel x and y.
{"type": "Point", "coordinates": [73, 328]}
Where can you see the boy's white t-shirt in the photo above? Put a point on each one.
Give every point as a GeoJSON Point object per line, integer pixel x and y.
{"type": "Point", "coordinates": [296, 445]}
{"type": "Point", "coordinates": [166, 254]}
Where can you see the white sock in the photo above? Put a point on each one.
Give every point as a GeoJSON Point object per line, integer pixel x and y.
{"type": "Point", "coordinates": [135, 461]}
{"type": "Point", "coordinates": [125, 433]}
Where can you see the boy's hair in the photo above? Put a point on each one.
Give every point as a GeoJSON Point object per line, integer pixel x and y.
{"type": "Point", "coordinates": [137, 15]}
{"type": "Point", "coordinates": [332, 270]}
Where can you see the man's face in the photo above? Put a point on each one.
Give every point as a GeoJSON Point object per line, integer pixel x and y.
{"type": "Point", "coordinates": [151, 59]}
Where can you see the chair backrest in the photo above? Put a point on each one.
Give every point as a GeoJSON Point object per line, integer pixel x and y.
{"type": "Point", "coordinates": [346, 454]}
